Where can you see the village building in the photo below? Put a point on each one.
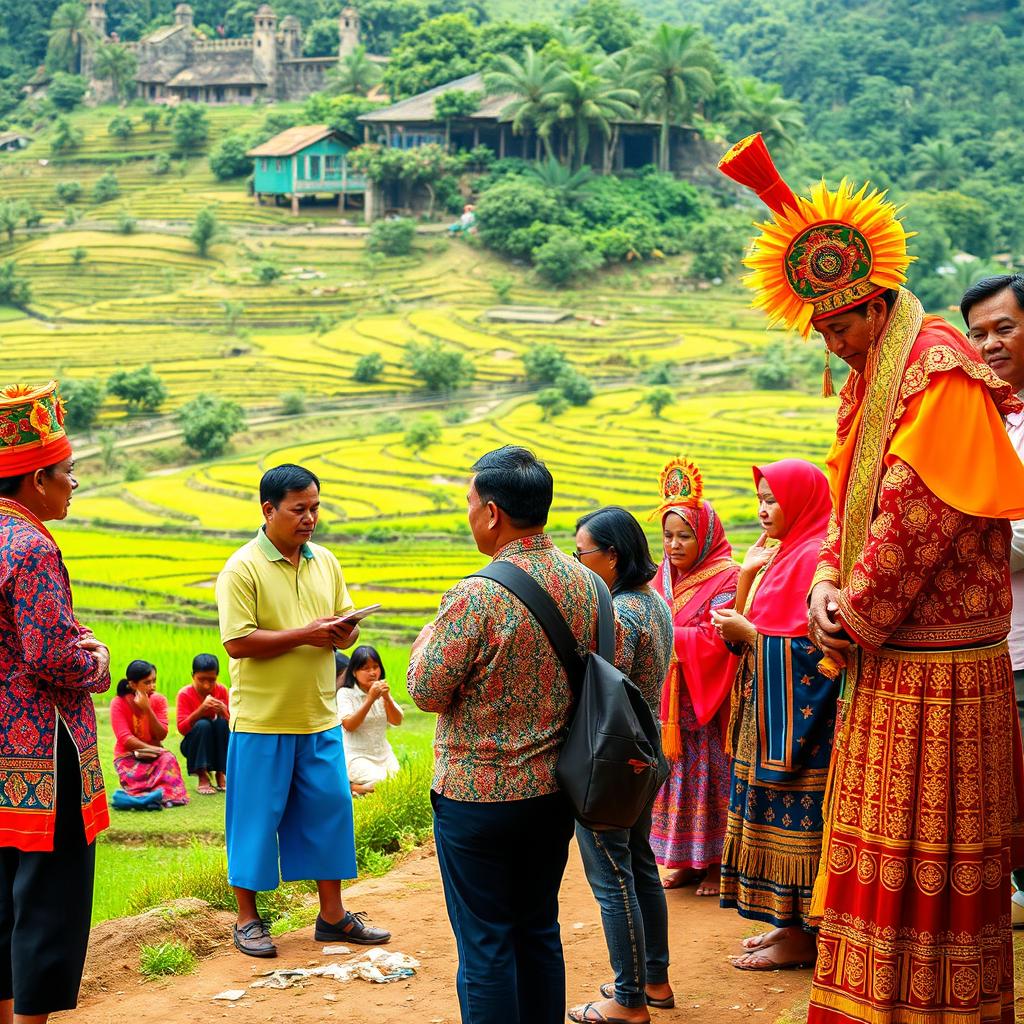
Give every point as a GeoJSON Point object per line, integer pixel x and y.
{"type": "Point", "coordinates": [633, 144]}
{"type": "Point", "coordinates": [12, 141]}
{"type": "Point", "coordinates": [178, 63]}
{"type": "Point", "coordinates": [305, 162]}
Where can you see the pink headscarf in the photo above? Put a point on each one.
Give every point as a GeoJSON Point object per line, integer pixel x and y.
{"type": "Point", "coordinates": [779, 606]}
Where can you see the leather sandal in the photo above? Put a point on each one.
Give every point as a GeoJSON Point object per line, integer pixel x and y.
{"type": "Point", "coordinates": [668, 1003]}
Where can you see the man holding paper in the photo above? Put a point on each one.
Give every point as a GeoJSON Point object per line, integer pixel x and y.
{"type": "Point", "coordinates": [284, 607]}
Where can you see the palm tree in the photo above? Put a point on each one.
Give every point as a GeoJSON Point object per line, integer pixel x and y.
{"type": "Point", "coordinates": [761, 107]}
{"type": "Point", "coordinates": [531, 84]}
{"type": "Point", "coordinates": [675, 67]}
{"type": "Point", "coordinates": [585, 101]}
{"type": "Point", "coordinates": [117, 65]}
{"type": "Point", "coordinates": [355, 74]}
{"type": "Point", "coordinates": [69, 31]}
{"type": "Point", "coordinates": [569, 186]}
{"type": "Point", "coordinates": [937, 164]}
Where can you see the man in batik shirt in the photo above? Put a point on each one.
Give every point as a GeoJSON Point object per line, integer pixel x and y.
{"type": "Point", "coordinates": [502, 698]}
{"type": "Point", "coordinates": [52, 804]}
{"type": "Point", "coordinates": [912, 598]}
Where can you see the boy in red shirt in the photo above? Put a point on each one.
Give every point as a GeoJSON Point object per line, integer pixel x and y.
{"type": "Point", "coordinates": [203, 724]}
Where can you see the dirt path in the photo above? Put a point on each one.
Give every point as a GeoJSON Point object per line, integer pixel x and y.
{"type": "Point", "coordinates": [410, 902]}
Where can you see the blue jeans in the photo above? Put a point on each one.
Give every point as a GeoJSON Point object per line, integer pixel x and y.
{"type": "Point", "coordinates": [623, 873]}
{"type": "Point", "coordinates": [502, 866]}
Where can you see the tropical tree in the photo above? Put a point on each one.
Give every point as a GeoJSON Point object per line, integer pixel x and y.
{"type": "Point", "coordinates": [585, 102]}
{"type": "Point", "coordinates": [674, 68]}
{"type": "Point", "coordinates": [69, 31]}
{"type": "Point", "coordinates": [65, 136]}
{"type": "Point", "coordinates": [451, 106]}
{"type": "Point", "coordinates": [761, 107]}
{"type": "Point", "coordinates": [937, 165]}
{"type": "Point", "coordinates": [568, 185]}
{"type": "Point", "coordinates": [531, 83]}
{"type": "Point", "coordinates": [355, 74]}
{"type": "Point", "coordinates": [117, 65]}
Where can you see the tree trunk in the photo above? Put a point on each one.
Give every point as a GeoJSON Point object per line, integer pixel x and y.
{"type": "Point", "coordinates": [448, 136]}
{"type": "Point", "coordinates": [663, 145]}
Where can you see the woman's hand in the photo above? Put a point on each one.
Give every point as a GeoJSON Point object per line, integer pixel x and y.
{"type": "Point", "coordinates": [141, 700]}
{"type": "Point", "coordinates": [377, 689]}
{"type": "Point", "coordinates": [733, 627]}
{"type": "Point", "coordinates": [757, 556]}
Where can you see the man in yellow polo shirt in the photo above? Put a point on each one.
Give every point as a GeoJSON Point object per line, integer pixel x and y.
{"type": "Point", "coordinates": [282, 602]}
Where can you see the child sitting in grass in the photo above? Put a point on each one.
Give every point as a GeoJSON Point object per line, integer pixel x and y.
{"type": "Point", "coordinates": [366, 709]}
{"type": "Point", "coordinates": [203, 724]}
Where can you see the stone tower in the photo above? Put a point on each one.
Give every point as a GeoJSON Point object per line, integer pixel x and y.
{"type": "Point", "coordinates": [348, 31]}
{"type": "Point", "coordinates": [96, 17]}
{"type": "Point", "coordinates": [264, 46]}
{"type": "Point", "coordinates": [291, 36]}
{"type": "Point", "coordinates": [183, 15]}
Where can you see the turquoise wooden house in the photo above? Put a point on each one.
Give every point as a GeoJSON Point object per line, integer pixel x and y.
{"type": "Point", "coordinates": [308, 161]}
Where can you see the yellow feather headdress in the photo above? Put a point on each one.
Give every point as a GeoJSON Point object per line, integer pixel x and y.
{"type": "Point", "coordinates": [821, 254]}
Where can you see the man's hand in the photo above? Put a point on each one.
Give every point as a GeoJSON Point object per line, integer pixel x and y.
{"type": "Point", "coordinates": [343, 631]}
{"type": "Point", "coordinates": [323, 632]}
{"type": "Point", "coordinates": [823, 627]}
{"type": "Point", "coordinates": [98, 650]}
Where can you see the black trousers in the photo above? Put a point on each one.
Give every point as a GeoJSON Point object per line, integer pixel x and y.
{"type": "Point", "coordinates": [46, 904]}
{"type": "Point", "coordinates": [502, 866]}
{"type": "Point", "coordinates": [205, 746]}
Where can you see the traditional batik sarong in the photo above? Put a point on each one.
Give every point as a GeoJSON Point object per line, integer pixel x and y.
{"type": "Point", "coordinates": [138, 777]}
{"type": "Point", "coordinates": [783, 744]}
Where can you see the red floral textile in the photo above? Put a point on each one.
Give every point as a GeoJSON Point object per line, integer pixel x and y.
{"type": "Point", "coordinates": [45, 674]}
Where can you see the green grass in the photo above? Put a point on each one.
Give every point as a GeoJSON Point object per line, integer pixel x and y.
{"type": "Point", "coordinates": [164, 959]}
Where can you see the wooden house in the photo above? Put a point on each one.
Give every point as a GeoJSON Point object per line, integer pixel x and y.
{"type": "Point", "coordinates": [10, 142]}
{"type": "Point", "coordinates": [307, 161]}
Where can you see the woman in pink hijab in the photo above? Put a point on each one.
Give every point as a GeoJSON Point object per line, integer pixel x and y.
{"type": "Point", "coordinates": [783, 717]}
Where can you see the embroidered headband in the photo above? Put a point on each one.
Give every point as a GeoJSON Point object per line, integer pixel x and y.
{"type": "Point", "coordinates": [32, 432]}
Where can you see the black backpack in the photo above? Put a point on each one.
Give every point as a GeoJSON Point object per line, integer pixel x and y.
{"type": "Point", "coordinates": [611, 765]}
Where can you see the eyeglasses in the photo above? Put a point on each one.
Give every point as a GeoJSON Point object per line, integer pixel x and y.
{"type": "Point", "coordinates": [578, 555]}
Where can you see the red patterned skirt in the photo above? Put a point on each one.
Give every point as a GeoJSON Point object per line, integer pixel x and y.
{"type": "Point", "coordinates": [923, 828]}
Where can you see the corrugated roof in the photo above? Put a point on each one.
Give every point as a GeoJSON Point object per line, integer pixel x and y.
{"type": "Point", "coordinates": [230, 67]}
{"type": "Point", "coordinates": [421, 107]}
{"type": "Point", "coordinates": [294, 140]}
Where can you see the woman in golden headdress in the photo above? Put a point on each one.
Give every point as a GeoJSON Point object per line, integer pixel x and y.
{"type": "Point", "coordinates": [912, 596]}
{"type": "Point", "coordinates": [697, 574]}
{"type": "Point", "coordinates": [52, 804]}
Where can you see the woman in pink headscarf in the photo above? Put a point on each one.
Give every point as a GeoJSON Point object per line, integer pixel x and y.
{"type": "Point", "coordinates": [783, 716]}
{"type": "Point", "coordinates": [698, 574]}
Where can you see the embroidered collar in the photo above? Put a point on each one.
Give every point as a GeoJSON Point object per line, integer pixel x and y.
{"type": "Point", "coordinates": [10, 507]}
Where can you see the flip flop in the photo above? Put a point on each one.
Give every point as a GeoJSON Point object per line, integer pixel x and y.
{"type": "Point", "coordinates": [755, 942]}
{"type": "Point", "coordinates": [705, 892]}
{"type": "Point", "coordinates": [207, 790]}
{"type": "Point", "coordinates": [668, 1003]}
{"type": "Point", "coordinates": [762, 963]}
{"type": "Point", "coordinates": [579, 1015]}
{"type": "Point", "coordinates": [692, 879]}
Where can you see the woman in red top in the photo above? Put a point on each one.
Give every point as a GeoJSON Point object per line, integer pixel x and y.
{"type": "Point", "coordinates": [203, 724]}
{"type": "Point", "coordinates": [138, 715]}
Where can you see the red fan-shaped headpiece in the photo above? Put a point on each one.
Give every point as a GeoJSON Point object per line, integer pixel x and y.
{"type": "Point", "coordinates": [750, 164]}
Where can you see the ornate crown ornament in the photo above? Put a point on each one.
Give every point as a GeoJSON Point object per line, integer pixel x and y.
{"type": "Point", "coordinates": [821, 254]}
{"type": "Point", "coordinates": [681, 485]}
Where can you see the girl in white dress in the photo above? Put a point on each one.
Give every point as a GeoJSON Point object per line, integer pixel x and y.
{"type": "Point", "coordinates": [365, 710]}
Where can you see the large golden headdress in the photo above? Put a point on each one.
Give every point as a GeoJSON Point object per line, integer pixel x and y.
{"type": "Point", "coordinates": [821, 254]}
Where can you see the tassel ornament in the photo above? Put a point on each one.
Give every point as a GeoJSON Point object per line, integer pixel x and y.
{"type": "Point", "coordinates": [827, 388]}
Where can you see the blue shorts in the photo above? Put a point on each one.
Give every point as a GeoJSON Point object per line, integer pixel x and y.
{"type": "Point", "coordinates": [289, 809]}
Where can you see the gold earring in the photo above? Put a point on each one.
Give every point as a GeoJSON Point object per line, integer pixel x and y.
{"type": "Point", "coordinates": [827, 390]}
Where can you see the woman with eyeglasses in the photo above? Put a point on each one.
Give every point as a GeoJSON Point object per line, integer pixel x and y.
{"type": "Point", "coordinates": [620, 864]}
{"type": "Point", "coordinates": [697, 576]}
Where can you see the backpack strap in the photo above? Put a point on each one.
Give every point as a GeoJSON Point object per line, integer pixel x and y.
{"type": "Point", "coordinates": [543, 608]}
{"type": "Point", "coordinates": [605, 620]}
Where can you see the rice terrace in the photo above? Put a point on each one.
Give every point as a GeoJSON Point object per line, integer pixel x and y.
{"type": "Point", "coordinates": [455, 263]}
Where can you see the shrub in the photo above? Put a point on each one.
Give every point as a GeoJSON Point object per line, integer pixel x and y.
{"type": "Point", "coordinates": [166, 958]}
{"type": "Point", "coordinates": [544, 363]}
{"type": "Point", "coordinates": [267, 272]}
{"type": "Point", "coordinates": [503, 285]}
{"type": "Point", "coordinates": [78, 255]}
{"type": "Point", "coordinates": [126, 223]}
{"type": "Point", "coordinates": [14, 290]}
{"type": "Point", "coordinates": [208, 423]}
{"type": "Point", "coordinates": [66, 91]}
{"type": "Point", "coordinates": [121, 128]}
{"type": "Point", "coordinates": [717, 247]}
{"type": "Point", "coordinates": [293, 403]}
{"type": "Point", "coordinates": [106, 188]}
{"type": "Point", "coordinates": [509, 207]}
{"type": "Point", "coordinates": [228, 159]}
{"type": "Point", "coordinates": [368, 368]}
{"type": "Point", "coordinates": [82, 401]}
{"type": "Point", "coordinates": [205, 231]}
{"type": "Point", "coordinates": [440, 367]}
{"type": "Point", "coordinates": [392, 237]}
{"type": "Point", "coordinates": [65, 138]}
{"type": "Point", "coordinates": [68, 192]}
{"type": "Point", "coordinates": [140, 388]}
{"type": "Point", "coordinates": [161, 163]}
{"type": "Point", "coordinates": [565, 255]}
{"type": "Point", "coordinates": [423, 433]}
{"type": "Point", "coordinates": [552, 403]}
{"type": "Point", "coordinates": [151, 115]}
{"type": "Point", "coordinates": [657, 398]}
{"type": "Point", "coordinates": [576, 388]}
{"type": "Point", "coordinates": [190, 128]}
